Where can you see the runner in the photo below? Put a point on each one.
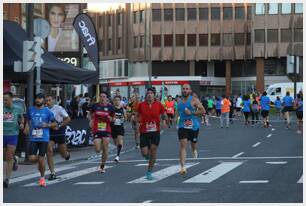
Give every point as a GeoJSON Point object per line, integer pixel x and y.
{"type": "Point", "coordinates": [134, 105]}
{"type": "Point", "coordinates": [255, 110]}
{"type": "Point", "coordinates": [100, 119]}
{"type": "Point", "coordinates": [190, 109]}
{"type": "Point", "coordinates": [246, 108]}
{"type": "Point", "coordinates": [57, 135]}
{"type": "Point", "coordinates": [278, 106]}
{"type": "Point", "coordinates": [265, 108]}
{"type": "Point", "coordinates": [12, 121]}
{"type": "Point", "coordinates": [225, 110]}
{"type": "Point", "coordinates": [238, 105]}
{"type": "Point", "coordinates": [218, 107]}
{"type": "Point", "coordinates": [288, 107]}
{"type": "Point", "coordinates": [299, 112]}
{"type": "Point", "coordinates": [148, 114]}
{"type": "Point", "coordinates": [117, 125]}
{"type": "Point", "coordinates": [170, 110]}
{"type": "Point", "coordinates": [39, 120]}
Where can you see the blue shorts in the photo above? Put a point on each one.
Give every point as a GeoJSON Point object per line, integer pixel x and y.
{"type": "Point", "coordinates": [10, 140]}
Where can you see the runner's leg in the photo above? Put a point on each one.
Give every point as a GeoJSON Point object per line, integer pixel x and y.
{"type": "Point", "coordinates": [10, 151]}
{"type": "Point", "coordinates": [50, 156]}
{"type": "Point", "coordinates": [183, 145]}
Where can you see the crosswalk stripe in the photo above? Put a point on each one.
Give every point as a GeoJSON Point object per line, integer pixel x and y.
{"type": "Point", "coordinates": [254, 181]}
{"type": "Point", "coordinates": [31, 176]}
{"type": "Point", "coordinates": [214, 173]}
{"type": "Point", "coordinates": [300, 180]}
{"type": "Point", "coordinates": [69, 176]}
{"type": "Point", "coordinates": [162, 174]}
{"type": "Point", "coordinates": [277, 163]}
{"type": "Point", "coordinates": [88, 183]}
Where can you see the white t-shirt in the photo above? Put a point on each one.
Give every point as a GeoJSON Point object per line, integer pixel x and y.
{"type": "Point", "coordinates": [53, 41]}
{"type": "Point", "coordinates": [59, 113]}
{"type": "Point", "coordinates": [238, 103]}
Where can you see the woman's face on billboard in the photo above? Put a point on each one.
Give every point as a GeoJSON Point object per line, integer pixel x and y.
{"type": "Point", "coordinates": [56, 16]}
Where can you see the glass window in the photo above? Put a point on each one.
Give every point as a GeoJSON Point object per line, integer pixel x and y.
{"type": "Point", "coordinates": [192, 13]}
{"type": "Point", "coordinates": [168, 40]}
{"type": "Point", "coordinates": [272, 35]}
{"type": "Point", "coordinates": [135, 42]}
{"type": "Point", "coordinates": [286, 35]}
{"type": "Point", "coordinates": [180, 39]}
{"type": "Point", "coordinates": [141, 44]}
{"type": "Point", "coordinates": [168, 14]}
{"type": "Point", "coordinates": [260, 36]}
{"type": "Point", "coordinates": [156, 40]}
{"type": "Point", "coordinates": [215, 40]}
{"type": "Point", "coordinates": [286, 8]}
{"type": "Point", "coordinates": [298, 8]}
{"type": "Point", "coordinates": [203, 13]}
{"type": "Point", "coordinates": [249, 15]}
{"type": "Point", "coordinates": [239, 13]}
{"type": "Point", "coordinates": [191, 40]}
{"type": "Point", "coordinates": [273, 8]}
{"type": "Point", "coordinates": [119, 18]}
{"type": "Point", "coordinates": [141, 16]}
{"type": "Point", "coordinates": [298, 35]}
{"type": "Point", "coordinates": [156, 14]}
{"type": "Point", "coordinates": [260, 9]}
{"type": "Point", "coordinates": [109, 20]}
{"type": "Point", "coordinates": [248, 38]}
{"type": "Point", "coordinates": [227, 40]}
{"type": "Point", "coordinates": [109, 44]}
{"type": "Point", "coordinates": [239, 39]}
{"type": "Point", "coordinates": [203, 39]}
{"type": "Point", "coordinates": [180, 14]}
{"type": "Point", "coordinates": [118, 43]}
{"type": "Point", "coordinates": [227, 13]}
{"type": "Point", "coordinates": [215, 13]}
{"type": "Point", "coordinates": [135, 16]}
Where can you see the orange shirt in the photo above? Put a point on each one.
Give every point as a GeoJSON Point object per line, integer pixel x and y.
{"type": "Point", "coordinates": [225, 107]}
{"type": "Point", "coordinates": [170, 107]}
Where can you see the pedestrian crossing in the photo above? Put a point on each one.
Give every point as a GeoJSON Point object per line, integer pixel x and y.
{"type": "Point", "coordinates": [198, 173]}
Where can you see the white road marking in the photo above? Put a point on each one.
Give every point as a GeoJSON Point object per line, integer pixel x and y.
{"type": "Point", "coordinates": [145, 164]}
{"type": "Point", "coordinates": [69, 176]}
{"type": "Point", "coordinates": [254, 181]}
{"type": "Point", "coordinates": [162, 174]}
{"type": "Point", "coordinates": [300, 180]}
{"type": "Point", "coordinates": [214, 173]}
{"type": "Point", "coordinates": [255, 145]}
{"type": "Point", "coordinates": [272, 129]}
{"type": "Point", "coordinates": [237, 155]}
{"type": "Point", "coordinates": [88, 183]}
{"type": "Point", "coordinates": [147, 201]}
{"type": "Point", "coordinates": [269, 135]}
{"type": "Point", "coordinates": [277, 163]}
{"type": "Point", "coordinates": [31, 176]}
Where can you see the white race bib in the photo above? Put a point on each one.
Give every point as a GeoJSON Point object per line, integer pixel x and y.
{"type": "Point", "coordinates": [118, 122]}
{"type": "Point", "coordinates": [188, 124]}
{"type": "Point", "coordinates": [151, 127]}
{"type": "Point", "coordinates": [37, 133]}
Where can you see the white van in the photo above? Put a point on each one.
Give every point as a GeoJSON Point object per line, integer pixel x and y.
{"type": "Point", "coordinates": [280, 90]}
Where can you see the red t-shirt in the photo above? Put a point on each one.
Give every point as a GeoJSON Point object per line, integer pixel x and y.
{"type": "Point", "coordinates": [100, 115]}
{"type": "Point", "coordinates": [150, 116]}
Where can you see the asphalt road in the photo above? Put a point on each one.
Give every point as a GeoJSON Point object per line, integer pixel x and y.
{"type": "Point", "coordinates": [236, 165]}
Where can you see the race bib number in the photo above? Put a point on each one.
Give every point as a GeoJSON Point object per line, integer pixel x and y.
{"type": "Point", "coordinates": [188, 124]}
{"type": "Point", "coordinates": [102, 126]}
{"type": "Point", "coordinates": [169, 110]}
{"type": "Point", "coordinates": [151, 127]}
{"type": "Point", "coordinates": [8, 117]}
{"type": "Point", "coordinates": [118, 122]}
{"type": "Point", "coordinates": [37, 133]}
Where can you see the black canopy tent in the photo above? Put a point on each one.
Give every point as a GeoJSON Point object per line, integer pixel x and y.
{"type": "Point", "coordinates": [53, 71]}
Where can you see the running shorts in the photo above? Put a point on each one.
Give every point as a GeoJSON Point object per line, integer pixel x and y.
{"type": "Point", "coordinates": [147, 139]}
{"type": "Point", "coordinates": [191, 135]}
{"type": "Point", "coordinates": [42, 147]}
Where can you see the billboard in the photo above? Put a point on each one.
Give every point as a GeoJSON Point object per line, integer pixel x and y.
{"type": "Point", "coordinates": [62, 37]}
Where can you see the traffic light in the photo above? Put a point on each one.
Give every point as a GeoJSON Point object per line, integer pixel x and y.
{"type": "Point", "coordinates": [28, 57]}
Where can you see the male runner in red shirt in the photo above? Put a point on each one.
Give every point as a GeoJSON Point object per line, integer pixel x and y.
{"type": "Point", "coordinates": [148, 118]}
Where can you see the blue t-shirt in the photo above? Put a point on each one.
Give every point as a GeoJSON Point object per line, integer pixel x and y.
{"type": "Point", "coordinates": [265, 103]}
{"type": "Point", "coordinates": [288, 101]}
{"type": "Point", "coordinates": [299, 105]}
{"type": "Point", "coordinates": [218, 105]}
{"type": "Point", "coordinates": [37, 117]}
{"type": "Point", "coordinates": [246, 105]}
{"type": "Point", "coordinates": [278, 104]}
{"type": "Point", "coordinates": [187, 121]}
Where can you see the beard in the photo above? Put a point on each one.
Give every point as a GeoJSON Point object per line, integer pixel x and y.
{"type": "Point", "coordinates": [185, 94]}
{"type": "Point", "coordinates": [38, 104]}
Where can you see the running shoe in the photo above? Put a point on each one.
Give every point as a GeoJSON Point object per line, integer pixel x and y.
{"type": "Point", "coordinates": [149, 176]}
{"type": "Point", "coordinates": [6, 183]}
{"type": "Point", "coordinates": [195, 154]}
{"type": "Point", "coordinates": [183, 171]}
{"type": "Point", "coordinates": [137, 146]}
{"type": "Point", "coordinates": [42, 182]}
{"type": "Point", "coordinates": [68, 157]}
{"type": "Point", "coordinates": [299, 132]}
{"type": "Point", "coordinates": [15, 164]}
{"type": "Point", "coordinates": [102, 170]}
{"type": "Point", "coordinates": [52, 177]}
{"type": "Point", "coordinates": [116, 159]}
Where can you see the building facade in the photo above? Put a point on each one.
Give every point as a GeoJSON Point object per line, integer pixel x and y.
{"type": "Point", "coordinates": [217, 48]}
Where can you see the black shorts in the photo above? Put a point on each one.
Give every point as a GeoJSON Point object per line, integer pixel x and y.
{"type": "Point", "coordinates": [299, 114]}
{"type": "Point", "coordinates": [170, 116]}
{"type": "Point", "coordinates": [42, 147]}
{"type": "Point", "coordinates": [264, 113]}
{"type": "Point", "coordinates": [147, 139]}
{"type": "Point", "coordinates": [58, 136]}
{"type": "Point", "coordinates": [288, 109]}
{"type": "Point", "coordinates": [238, 109]}
{"type": "Point", "coordinates": [117, 130]}
{"type": "Point", "coordinates": [189, 134]}
{"type": "Point", "coordinates": [100, 135]}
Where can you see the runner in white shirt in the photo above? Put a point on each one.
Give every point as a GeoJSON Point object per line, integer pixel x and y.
{"type": "Point", "coordinates": [238, 105]}
{"type": "Point", "coordinates": [57, 136]}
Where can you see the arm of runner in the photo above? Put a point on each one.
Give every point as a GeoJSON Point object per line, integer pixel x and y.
{"type": "Point", "coordinates": [198, 105]}
{"type": "Point", "coordinates": [21, 121]}
{"type": "Point", "coordinates": [66, 118]}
